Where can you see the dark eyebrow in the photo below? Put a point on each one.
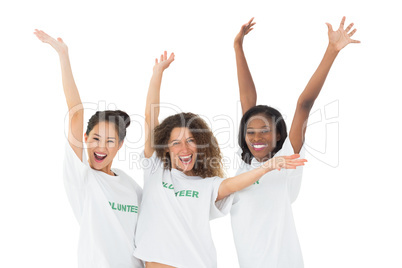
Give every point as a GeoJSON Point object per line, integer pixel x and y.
{"type": "Point", "coordinates": [95, 134]}
{"type": "Point", "coordinates": [259, 127]}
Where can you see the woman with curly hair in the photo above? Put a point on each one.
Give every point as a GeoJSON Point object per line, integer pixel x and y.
{"type": "Point", "coordinates": [183, 185]}
{"type": "Point", "coordinates": [261, 215]}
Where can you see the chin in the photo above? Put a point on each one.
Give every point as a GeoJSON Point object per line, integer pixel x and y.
{"type": "Point", "coordinates": [96, 166]}
{"type": "Point", "coordinates": [185, 169]}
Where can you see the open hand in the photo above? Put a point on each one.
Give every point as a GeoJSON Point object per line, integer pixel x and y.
{"type": "Point", "coordinates": [244, 30]}
{"type": "Point", "coordinates": [342, 37]}
{"type": "Point", "coordinates": [58, 44]}
{"type": "Point", "coordinates": [163, 62]}
{"type": "Point", "coordinates": [288, 162]}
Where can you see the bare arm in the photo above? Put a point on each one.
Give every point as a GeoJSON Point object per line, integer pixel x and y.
{"type": "Point", "coordinates": [337, 41]}
{"type": "Point", "coordinates": [248, 94]}
{"type": "Point", "coordinates": [239, 182]}
{"type": "Point", "coordinates": [153, 100]}
{"type": "Point", "coordinates": [75, 108]}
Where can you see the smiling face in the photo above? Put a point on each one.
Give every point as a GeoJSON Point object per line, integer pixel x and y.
{"type": "Point", "coordinates": [261, 136]}
{"type": "Point", "coordinates": [103, 144]}
{"type": "Point", "coordinates": [182, 149]}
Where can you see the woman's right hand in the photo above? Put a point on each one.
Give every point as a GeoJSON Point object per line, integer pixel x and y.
{"type": "Point", "coordinates": [279, 162]}
{"type": "Point", "coordinates": [58, 44]}
{"type": "Point", "coordinates": [244, 30]}
{"type": "Point", "coordinates": [163, 62]}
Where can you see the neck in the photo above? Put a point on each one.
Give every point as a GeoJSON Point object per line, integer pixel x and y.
{"type": "Point", "coordinates": [187, 172]}
{"type": "Point", "coordinates": [264, 159]}
{"type": "Point", "coordinates": [106, 169]}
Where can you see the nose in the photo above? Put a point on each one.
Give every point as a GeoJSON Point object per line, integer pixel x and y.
{"type": "Point", "coordinates": [101, 146]}
{"type": "Point", "coordinates": [185, 148]}
{"type": "Point", "coordinates": [257, 136]}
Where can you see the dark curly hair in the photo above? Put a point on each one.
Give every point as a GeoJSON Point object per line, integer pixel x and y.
{"type": "Point", "coordinates": [269, 113]}
{"type": "Point", "coordinates": [120, 119]}
{"type": "Point", "coordinates": [209, 158]}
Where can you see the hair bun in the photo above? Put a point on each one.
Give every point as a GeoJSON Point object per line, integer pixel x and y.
{"type": "Point", "coordinates": [125, 117]}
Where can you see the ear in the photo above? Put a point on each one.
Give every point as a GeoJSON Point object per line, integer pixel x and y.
{"type": "Point", "coordinates": [120, 144]}
{"type": "Point", "coordinates": [85, 137]}
{"type": "Point", "coordinates": [278, 137]}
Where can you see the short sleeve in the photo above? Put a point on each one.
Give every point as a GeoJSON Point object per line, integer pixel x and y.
{"type": "Point", "coordinates": [222, 207]}
{"type": "Point", "coordinates": [75, 175]}
{"type": "Point", "coordinates": [293, 176]}
{"type": "Point", "coordinates": [150, 165]}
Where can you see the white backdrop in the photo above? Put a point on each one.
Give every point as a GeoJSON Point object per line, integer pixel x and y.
{"type": "Point", "coordinates": [348, 213]}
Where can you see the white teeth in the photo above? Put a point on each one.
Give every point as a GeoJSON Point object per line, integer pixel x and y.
{"type": "Point", "coordinates": [100, 155]}
{"type": "Point", "coordinates": [185, 159]}
{"type": "Point", "coordinates": [259, 146]}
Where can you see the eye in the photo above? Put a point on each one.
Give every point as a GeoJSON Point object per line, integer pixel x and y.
{"type": "Point", "coordinates": [110, 141]}
{"type": "Point", "coordinates": [250, 132]}
{"type": "Point", "coordinates": [174, 143]}
{"type": "Point", "coordinates": [265, 131]}
{"type": "Point", "coordinates": [96, 139]}
{"type": "Point", "coordinates": [190, 140]}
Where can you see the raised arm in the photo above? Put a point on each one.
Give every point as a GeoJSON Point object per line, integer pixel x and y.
{"type": "Point", "coordinates": [153, 100]}
{"type": "Point", "coordinates": [75, 108]}
{"type": "Point", "coordinates": [239, 182]}
{"type": "Point", "coordinates": [248, 94]}
{"type": "Point", "coordinates": [337, 41]}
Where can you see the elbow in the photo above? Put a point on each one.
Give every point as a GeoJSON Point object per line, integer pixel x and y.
{"type": "Point", "coordinates": [226, 188]}
{"type": "Point", "coordinates": [305, 104]}
{"type": "Point", "coordinates": [76, 112]}
{"type": "Point", "coordinates": [147, 116]}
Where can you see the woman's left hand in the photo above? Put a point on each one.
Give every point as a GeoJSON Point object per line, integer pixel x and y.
{"type": "Point", "coordinates": [341, 37]}
{"type": "Point", "coordinates": [287, 162]}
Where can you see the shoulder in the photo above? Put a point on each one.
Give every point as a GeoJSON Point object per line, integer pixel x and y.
{"type": "Point", "coordinates": [243, 167]}
{"type": "Point", "coordinates": [287, 149]}
{"type": "Point", "coordinates": [127, 178]}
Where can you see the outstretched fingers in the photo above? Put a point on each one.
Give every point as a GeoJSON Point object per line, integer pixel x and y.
{"type": "Point", "coordinates": [171, 57]}
{"type": "Point", "coordinates": [246, 28]}
{"type": "Point", "coordinates": [342, 22]}
{"type": "Point", "coordinates": [329, 27]}
{"type": "Point", "coordinates": [164, 61]}
{"type": "Point", "coordinates": [42, 36]}
{"type": "Point", "coordinates": [292, 161]}
{"type": "Point", "coordinates": [349, 27]}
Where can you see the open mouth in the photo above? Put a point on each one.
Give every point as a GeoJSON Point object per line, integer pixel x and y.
{"type": "Point", "coordinates": [99, 157]}
{"type": "Point", "coordinates": [259, 146]}
{"type": "Point", "coordinates": [186, 159]}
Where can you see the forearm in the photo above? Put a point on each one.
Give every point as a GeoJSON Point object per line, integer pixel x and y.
{"type": "Point", "coordinates": [314, 86]}
{"type": "Point", "coordinates": [70, 89]}
{"type": "Point", "coordinates": [152, 110]}
{"type": "Point", "coordinates": [239, 182]}
{"type": "Point", "coordinates": [248, 94]}
{"type": "Point", "coordinates": [153, 97]}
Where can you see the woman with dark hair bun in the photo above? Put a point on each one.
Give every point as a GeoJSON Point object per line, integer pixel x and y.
{"type": "Point", "coordinates": [104, 200]}
{"type": "Point", "coordinates": [261, 215]}
{"type": "Point", "coordinates": [183, 185]}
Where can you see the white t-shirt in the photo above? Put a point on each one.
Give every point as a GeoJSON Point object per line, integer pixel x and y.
{"type": "Point", "coordinates": [106, 208]}
{"type": "Point", "coordinates": [173, 226]}
{"type": "Point", "coordinates": [262, 218]}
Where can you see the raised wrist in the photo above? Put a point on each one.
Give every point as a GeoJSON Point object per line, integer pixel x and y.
{"type": "Point", "coordinates": [238, 45]}
{"type": "Point", "coordinates": [158, 71]}
{"type": "Point", "coordinates": [333, 49]}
